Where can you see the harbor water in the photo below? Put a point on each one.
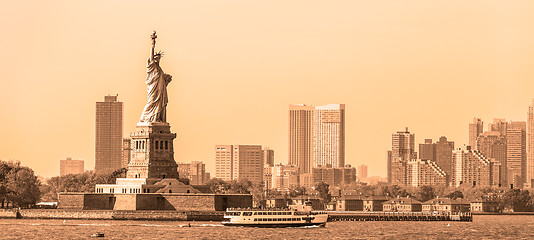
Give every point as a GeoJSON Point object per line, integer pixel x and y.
{"type": "Point", "coordinates": [482, 227]}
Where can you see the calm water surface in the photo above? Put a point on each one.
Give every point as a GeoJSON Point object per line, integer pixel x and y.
{"type": "Point", "coordinates": [482, 227]}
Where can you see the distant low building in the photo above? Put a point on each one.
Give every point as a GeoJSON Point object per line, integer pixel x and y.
{"type": "Point", "coordinates": [355, 202]}
{"type": "Point", "coordinates": [402, 204]}
{"type": "Point", "coordinates": [374, 203]}
{"type": "Point", "coordinates": [337, 176]}
{"type": "Point", "coordinates": [281, 177]}
{"type": "Point", "coordinates": [70, 166]}
{"type": "Point", "coordinates": [194, 171]}
{"type": "Point", "coordinates": [350, 203]}
{"type": "Point", "coordinates": [284, 202]}
{"type": "Point", "coordinates": [446, 205]}
{"type": "Point", "coordinates": [484, 206]}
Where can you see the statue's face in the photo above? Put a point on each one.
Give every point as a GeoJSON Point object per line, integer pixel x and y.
{"type": "Point", "coordinates": [157, 57]}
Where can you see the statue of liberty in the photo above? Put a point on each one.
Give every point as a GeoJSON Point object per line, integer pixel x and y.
{"type": "Point", "coordinates": [156, 81]}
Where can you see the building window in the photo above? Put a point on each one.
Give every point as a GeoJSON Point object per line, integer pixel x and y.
{"type": "Point", "coordinates": [161, 144]}
{"type": "Point", "coordinates": [157, 145]}
{"type": "Point", "coordinates": [166, 144]}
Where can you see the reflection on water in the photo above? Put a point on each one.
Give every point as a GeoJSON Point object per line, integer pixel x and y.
{"type": "Point", "coordinates": [482, 227]}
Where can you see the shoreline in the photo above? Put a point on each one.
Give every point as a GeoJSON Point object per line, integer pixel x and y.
{"type": "Point", "coordinates": [151, 215]}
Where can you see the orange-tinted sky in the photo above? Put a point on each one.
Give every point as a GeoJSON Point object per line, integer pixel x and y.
{"type": "Point", "coordinates": [236, 65]}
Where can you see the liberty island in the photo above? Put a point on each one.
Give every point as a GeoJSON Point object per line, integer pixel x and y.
{"type": "Point", "coordinates": [152, 181]}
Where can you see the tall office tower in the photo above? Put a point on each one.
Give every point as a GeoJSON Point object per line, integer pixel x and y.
{"type": "Point", "coordinates": [472, 167]}
{"type": "Point", "coordinates": [316, 136]}
{"type": "Point", "coordinates": [224, 162]}
{"type": "Point", "coordinates": [427, 150]}
{"type": "Point", "coordinates": [234, 162]}
{"type": "Point", "coordinates": [492, 144]}
{"type": "Point", "coordinates": [516, 153]}
{"type": "Point", "coordinates": [267, 155]}
{"type": "Point", "coordinates": [476, 128]}
{"type": "Point", "coordinates": [362, 172]}
{"type": "Point", "coordinates": [126, 152]}
{"type": "Point", "coordinates": [402, 151]}
{"type": "Point", "coordinates": [301, 137]}
{"type": "Point", "coordinates": [425, 172]}
{"type": "Point", "coordinates": [498, 125]}
{"type": "Point", "coordinates": [108, 142]}
{"type": "Point", "coordinates": [530, 146]}
{"type": "Point", "coordinates": [329, 135]}
{"type": "Point", "coordinates": [70, 166]}
{"type": "Point", "coordinates": [444, 150]}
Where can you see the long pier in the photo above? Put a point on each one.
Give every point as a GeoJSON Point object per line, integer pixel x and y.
{"type": "Point", "coordinates": [334, 216]}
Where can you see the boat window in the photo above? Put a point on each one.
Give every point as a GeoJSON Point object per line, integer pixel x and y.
{"type": "Point", "coordinates": [247, 213]}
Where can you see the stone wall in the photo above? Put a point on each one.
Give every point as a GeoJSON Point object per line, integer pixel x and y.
{"type": "Point", "coordinates": [71, 200]}
{"type": "Point", "coordinates": [153, 201]}
{"type": "Point", "coordinates": [8, 213]}
{"type": "Point", "coordinates": [190, 202]}
{"type": "Point", "coordinates": [118, 215]}
{"type": "Point", "coordinates": [66, 214]}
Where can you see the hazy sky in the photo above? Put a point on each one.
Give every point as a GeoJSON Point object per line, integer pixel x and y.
{"type": "Point", "coordinates": [236, 65]}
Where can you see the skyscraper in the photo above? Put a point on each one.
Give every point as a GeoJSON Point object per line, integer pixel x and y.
{"type": "Point", "coordinates": [530, 145]}
{"type": "Point", "coordinates": [492, 144]}
{"type": "Point", "coordinates": [472, 168]}
{"type": "Point", "coordinates": [329, 135]}
{"type": "Point", "coordinates": [516, 153]}
{"type": "Point", "coordinates": [234, 162]}
{"type": "Point", "coordinates": [316, 136]}
{"type": "Point", "coordinates": [425, 172]}
{"type": "Point", "coordinates": [476, 128]}
{"type": "Point", "coordinates": [402, 151]}
{"type": "Point", "coordinates": [427, 150]}
{"type": "Point", "coordinates": [70, 166]}
{"type": "Point", "coordinates": [108, 135]}
{"type": "Point", "coordinates": [444, 150]}
{"type": "Point", "coordinates": [362, 171]}
{"type": "Point", "coordinates": [267, 155]}
{"type": "Point", "coordinates": [301, 137]}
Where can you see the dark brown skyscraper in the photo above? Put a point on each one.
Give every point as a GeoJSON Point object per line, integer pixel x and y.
{"type": "Point", "coordinates": [108, 135]}
{"type": "Point", "coordinates": [427, 150]}
{"type": "Point", "coordinates": [444, 150]}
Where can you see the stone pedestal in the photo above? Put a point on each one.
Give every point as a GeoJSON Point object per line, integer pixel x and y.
{"type": "Point", "coordinates": [152, 154]}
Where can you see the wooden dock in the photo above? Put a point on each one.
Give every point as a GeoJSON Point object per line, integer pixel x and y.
{"type": "Point", "coordinates": [334, 216]}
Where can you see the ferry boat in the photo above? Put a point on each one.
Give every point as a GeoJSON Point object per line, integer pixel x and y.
{"type": "Point", "coordinates": [290, 217]}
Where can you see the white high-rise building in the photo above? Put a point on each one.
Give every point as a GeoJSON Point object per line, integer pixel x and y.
{"type": "Point", "coordinates": [316, 136]}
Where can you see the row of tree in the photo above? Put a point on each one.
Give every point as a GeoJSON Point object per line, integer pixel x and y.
{"type": "Point", "coordinates": [19, 187]}
{"type": "Point", "coordinates": [82, 182]}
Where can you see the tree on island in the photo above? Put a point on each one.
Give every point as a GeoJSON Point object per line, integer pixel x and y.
{"type": "Point", "coordinates": [19, 187]}
{"type": "Point", "coordinates": [323, 189]}
{"type": "Point", "coordinates": [455, 195]}
{"type": "Point", "coordinates": [425, 193]}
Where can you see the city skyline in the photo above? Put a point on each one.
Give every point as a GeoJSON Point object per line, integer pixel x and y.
{"type": "Point", "coordinates": [393, 67]}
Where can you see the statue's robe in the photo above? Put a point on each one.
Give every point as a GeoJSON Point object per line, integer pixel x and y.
{"type": "Point", "coordinates": [157, 81]}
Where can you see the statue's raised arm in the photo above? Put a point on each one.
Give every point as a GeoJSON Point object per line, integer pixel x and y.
{"type": "Point", "coordinates": [156, 81]}
{"type": "Point", "coordinates": [153, 36]}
